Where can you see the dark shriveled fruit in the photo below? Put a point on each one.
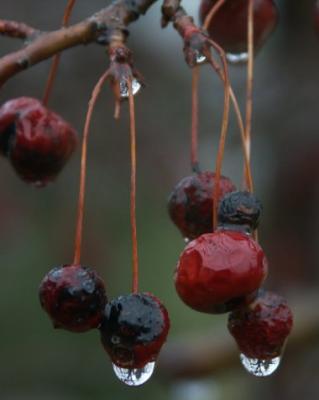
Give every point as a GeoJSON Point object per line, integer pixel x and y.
{"type": "Point", "coordinates": [239, 209]}
{"type": "Point", "coordinates": [74, 297]}
{"type": "Point", "coordinates": [220, 271]}
{"type": "Point", "coordinates": [37, 141]}
{"type": "Point", "coordinates": [134, 329]}
{"type": "Point", "coordinates": [262, 327]}
{"type": "Point", "coordinates": [190, 205]}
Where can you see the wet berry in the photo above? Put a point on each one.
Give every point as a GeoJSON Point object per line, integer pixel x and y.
{"type": "Point", "coordinates": [74, 297]}
{"type": "Point", "coordinates": [239, 209]}
{"type": "Point", "coordinates": [220, 271]}
{"type": "Point", "coordinates": [37, 141]}
{"type": "Point", "coordinates": [229, 26]}
{"type": "Point", "coordinates": [134, 329]}
{"type": "Point", "coordinates": [262, 327]}
{"type": "Point", "coordinates": [190, 204]}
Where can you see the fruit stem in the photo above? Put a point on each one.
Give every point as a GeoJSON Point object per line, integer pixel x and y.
{"type": "Point", "coordinates": [133, 189]}
{"type": "Point", "coordinates": [56, 58]}
{"type": "Point", "coordinates": [250, 76]}
{"type": "Point", "coordinates": [212, 13]}
{"type": "Point", "coordinates": [80, 214]}
{"type": "Point", "coordinates": [223, 134]}
{"type": "Point", "coordinates": [194, 133]}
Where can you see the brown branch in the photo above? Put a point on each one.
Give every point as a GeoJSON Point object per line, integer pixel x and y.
{"type": "Point", "coordinates": [216, 351]}
{"type": "Point", "coordinates": [17, 30]}
{"type": "Point", "coordinates": [102, 27]}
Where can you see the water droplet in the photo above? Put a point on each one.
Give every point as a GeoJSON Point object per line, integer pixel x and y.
{"type": "Point", "coordinates": [237, 58]}
{"type": "Point", "coordinates": [39, 184]}
{"type": "Point", "coordinates": [186, 240]}
{"type": "Point", "coordinates": [136, 376]}
{"type": "Point", "coordinates": [200, 58]}
{"type": "Point", "coordinates": [136, 86]}
{"type": "Point", "coordinates": [88, 285]}
{"type": "Point", "coordinates": [260, 367]}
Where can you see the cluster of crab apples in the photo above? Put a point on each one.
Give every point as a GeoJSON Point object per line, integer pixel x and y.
{"type": "Point", "coordinates": [221, 270]}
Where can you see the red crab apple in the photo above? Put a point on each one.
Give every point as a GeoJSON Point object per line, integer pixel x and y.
{"type": "Point", "coordinates": [229, 25]}
{"type": "Point", "coordinates": [261, 330]}
{"type": "Point", "coordinates": [219, 271]}
{"type": "Point", "coordinates": [37, 141]}
{"type": "Point", "coordinates": [74, 297]}
{"type": "Point", "coordinates": [190, 205]}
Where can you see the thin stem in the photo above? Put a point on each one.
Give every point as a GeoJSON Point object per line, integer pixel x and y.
{"type": "Point", "coordinates": [56, 58]}
{"type": "Point", "coordinates": [248, 174]}
{"type": "Point", "coordinates": [194, 133]}
{"type": "Point", "coordinates": [133, 189]}
{"type": "Point", "coordinates": [250, 76]}
{"type": "Point", "coordinates": [222, 140]}
{"type": "Point", "coordinates": [80, 214]}
{"type": "Point", "coordinates": [212, 13]}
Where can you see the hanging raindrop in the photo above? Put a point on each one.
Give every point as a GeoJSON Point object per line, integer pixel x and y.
{"type": "Point", "coordinates": [136, 376]}
{"type": "Point", "coordinates": [237, 58]}
{"type": "Point", "coordinates": [200, 58]}
{"type": "Point", "coordinates": [136, 86]}
{"type": "Point", "coordinates": [260, 368]}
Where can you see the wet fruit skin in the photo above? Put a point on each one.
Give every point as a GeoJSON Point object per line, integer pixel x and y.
{"type": "Point", "coordinates": [134, 329]}
{"type": "Point", "coordinates": [261, 328]}
{"type": "Point", "coordinates": [190, 204]}
{"type": "Point", "coordinates": [240, 208]}
{"type": "Point", "coordinates": [229, 26]}
{"type": "Point", "coordinates": [37, 141]}
{"type": "Point", "coordinates": [74, 297]}
{"type": "Point", "coordinates": [220, 271]}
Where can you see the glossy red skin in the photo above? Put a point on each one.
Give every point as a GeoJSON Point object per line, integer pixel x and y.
{"type": "Point", "coordinates": [74, 297]}
{"type": "Point", "coordinates": [229, 26]}
{"type": "Point", "coordinates": [316, 16]}
{"type": "Point", "coordinates": [190, 204]}
{"type": "Point", "coordinates": [131, 352]}
{"type": "Point", "coordinates": [217, 271]}
{"type": "Point", "coordinates": [261, 328]}
{"type": "Point", "coordinates": [37, 141]}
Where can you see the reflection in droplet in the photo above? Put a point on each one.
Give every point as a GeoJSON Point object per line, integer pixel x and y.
{"type": "Point", "coordinates": [134, 377]}
{"type": "Point", "coordinates": [186, 240]}
{"type": "Point", "coordinates": [237, 58]}
{"type": "Point", "coordinates": [260, 367]}
{"type": "Point", "coordinates": [136, 86]}
{"type": "Point", "coordinates": [200, 58]}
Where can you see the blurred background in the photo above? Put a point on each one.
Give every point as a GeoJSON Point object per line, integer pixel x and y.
{"type": "Point", "coordinates": [37, 226]}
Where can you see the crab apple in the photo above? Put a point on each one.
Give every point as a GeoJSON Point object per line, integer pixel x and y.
{"type": "Point", "coordinates": [190, 205]}
{"type": "Point", "coordinates": [229, 26]}
{"type": "Point", "coordinates": [37, 141]}
{"type": "Point", "coordinates": [239, 210]}
{"type": "Point", "coordinates": [74, 297]}
{"type": "Point", "coordinates": [262, 327]}
{"type": "Point", "coordinates": [133, 329]}
{"type": "Point", "coordinates": [220, 271]}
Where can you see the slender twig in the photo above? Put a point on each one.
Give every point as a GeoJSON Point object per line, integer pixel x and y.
{"type": "Point", "coordinates": [133, 189]}
{"type": "Point", "coordinates": [101, 27]}
{"type": "Point", "coordinates": [56, 58]}
{"type": "Point", "coordinates": [14, 29]}
{"type": "Point", "coordinates": [80, 214]}
{"type": "Point", "coordinates": [194, 131]}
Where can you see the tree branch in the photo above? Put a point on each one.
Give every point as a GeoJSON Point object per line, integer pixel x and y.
{"type": "Point", "coordinates": [17, 30]}
{"type": "Point", "coordinates": [103, 27]}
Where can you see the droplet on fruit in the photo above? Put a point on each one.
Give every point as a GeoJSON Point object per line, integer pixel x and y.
{"type": "Point", "coordinates": [136, 86]}
{"type": "Point", "coordinates": [237, 58]}
{"type": "Point", "coordinates": [260, 368]}
{"type": "Point", "coordinates": [186, 240]}
{"type": "Point", "coordinates": [136, 376]}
